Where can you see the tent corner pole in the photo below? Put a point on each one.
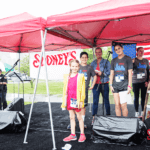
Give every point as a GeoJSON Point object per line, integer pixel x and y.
{"type": "Point", "coordinates": [19, 72]}
{"type": "Point", "coordinates": [49, 103]}
{"type": "Point", "coordinates": [28, 124]}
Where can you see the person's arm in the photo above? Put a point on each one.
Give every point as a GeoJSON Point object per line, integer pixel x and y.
{"type": "Point", "coordinates": [133, 61]}
{"type": "Point", "coordinates": [111, 80]}
{"type": "Point", "coordinates": [93, 83]}
{"type": "Point", "coordinates": [129, 80]}
{"type": "Point", "coordinates": [93, 74]}
{"type": "Point", "coordinates": [147, 69]}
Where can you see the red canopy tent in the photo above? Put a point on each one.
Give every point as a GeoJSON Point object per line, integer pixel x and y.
{"type": "Point", "coordinates": [124, 21]}
{"type": "Point", "coordinates": [22, 34]}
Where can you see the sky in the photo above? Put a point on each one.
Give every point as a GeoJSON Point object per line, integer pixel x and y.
{"type": "Point", "coordinates": [38, 8]}
{"type": "Point", "coordinates": [42, 8]}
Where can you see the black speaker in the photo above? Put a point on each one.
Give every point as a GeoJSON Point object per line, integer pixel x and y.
{"type": "Point", "coordinates": [12, 121]}
{"type": "Point", "coordinates": [118, 130]}
{"type": "Point", "coordinates": [147, 123]}
{"type": "Point", "coordinates": [16, 105]}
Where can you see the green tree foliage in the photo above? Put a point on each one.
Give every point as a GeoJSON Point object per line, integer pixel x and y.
{"type": "Point", "coordinates": [105, 54]}
{"type": "Point", "coordinates": [24, 65]}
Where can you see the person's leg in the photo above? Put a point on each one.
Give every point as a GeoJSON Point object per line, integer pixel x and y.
{"type": "Point", "coordinates": [4, 102]}
{"type": "Point", "coordinates": [143, 95]}
{"type": "Point", "coordinates": [81, 125]}
{"type": "Point", "coordinates": [95, 99]}
{"type": "Point", "coordinates": [83, 110]}
{"type": "Point", "coordinates": [72, 121]}
{"type": "Point", "coordinates": [117, 104]}
{"type": "Point", "coordinates": [136, 97]}
{"type": "Point", "coordinates": [0, 101]}
{"type": "Point", "coordinates": [71, 137]}
{"type": "Point", "coordinates": [124, 109]}
{"type": "Point", "coordinates": [106, 98]}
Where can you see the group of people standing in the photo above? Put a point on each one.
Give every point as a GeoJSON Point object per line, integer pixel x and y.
{"type": "Point", "coordinates": [121, 75]}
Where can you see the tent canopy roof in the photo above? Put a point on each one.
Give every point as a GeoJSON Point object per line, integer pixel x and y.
{"type": "Point", "coordinates": [98, 25]}
{"type": "Point", "coordinates": [22, 34]}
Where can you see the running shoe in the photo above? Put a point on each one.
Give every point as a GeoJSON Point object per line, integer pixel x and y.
{"type": "Point", "coordinates": [70, 138]}
{"type": "Point", "coordinates": [136, 114]}
{"type": "Point", "coordinates": [82, 138]}
{"type": "Point", "coordinates": [92, 121]}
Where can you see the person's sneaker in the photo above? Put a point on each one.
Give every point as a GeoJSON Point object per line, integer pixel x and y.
{"type": "Point", "coordinates": [92, 121]}
{"type": "Point", "coordinates": [141, 114]}
{"type": "Point", "coordinates": [82, 138]}
{"type": "Point", "coordinates": [85, 126]}
{"type": "Point", "coordinates": [69, 127]}
{"type": "Point", "coordinates": [70, 138]}
{"type": "Point", "coordinates": [136, 114]}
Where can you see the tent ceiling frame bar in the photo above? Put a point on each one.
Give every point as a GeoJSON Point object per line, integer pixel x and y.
{"type": "Point", "coordinates": [70, 37]}
{"type": "Point", "coordinates": [19, 46]}
{"type": "Point", "coordinates": [99, 34]}
{"type": "Point", "coordinates": [74, 37]}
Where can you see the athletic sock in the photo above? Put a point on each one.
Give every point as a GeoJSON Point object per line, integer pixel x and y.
{"type": "Point", "coordinates": [73, 134]}
{"type": "Point", "coordinates": [83, 117]}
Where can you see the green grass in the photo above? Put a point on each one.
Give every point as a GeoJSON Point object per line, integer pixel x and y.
{"type": "Point", "coordinates": [55, 88]}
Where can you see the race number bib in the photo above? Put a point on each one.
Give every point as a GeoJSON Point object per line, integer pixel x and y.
{"type": "Point", "coordinates": [119, 77]}
{"type": "Point", "coordinates": [140, 75]}
{"type": "Point", "coordinates": [73, 103]}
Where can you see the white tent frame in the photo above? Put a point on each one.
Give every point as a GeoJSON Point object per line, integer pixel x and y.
{"type": "Point", "coordinates": [43, 39]}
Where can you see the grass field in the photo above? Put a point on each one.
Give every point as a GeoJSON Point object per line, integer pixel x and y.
{"type": "Point", "coordinates": [55, 88]}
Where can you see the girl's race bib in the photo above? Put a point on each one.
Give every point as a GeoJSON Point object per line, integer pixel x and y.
{"type": "Point", "coordinates": [73, 103]}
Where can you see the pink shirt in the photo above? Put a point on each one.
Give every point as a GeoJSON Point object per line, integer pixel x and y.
{"type": "Point", "coordinates": [72, 91]}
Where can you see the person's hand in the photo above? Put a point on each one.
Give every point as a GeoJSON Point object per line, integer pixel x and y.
{"type": "Point", "coordinates": [81, 103]}
{"type": "Point", "coordinates": [0, 82]}
{"type": "Point", "coordinates": [112, 89]}
{"type": "Point", "coordinates": [99, 73]}
{"type": "Point", "coordinates": [129, 89]}
{"type": "Point", "coordinates": [133, 60]}
{"type": "Point", "coordinates": [146, 84]}
{"type": "Point", "coordinates": [90, 88]}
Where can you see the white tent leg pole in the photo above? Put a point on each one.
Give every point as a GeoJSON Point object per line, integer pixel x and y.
{"type": "Point", "coordinates": [19, 72]}
{"type": "Point", "coordinates": [90, 109]}
{"type": "Point", "coordinates": [25, 138]}
{"type": "Point", "coordinates": [49, 103]}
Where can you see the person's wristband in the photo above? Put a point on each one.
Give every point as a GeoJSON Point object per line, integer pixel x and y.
{"type": "Point", "coordinates": [130, 87]}
{"type": "Point", "coordinates": [110, 84]}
